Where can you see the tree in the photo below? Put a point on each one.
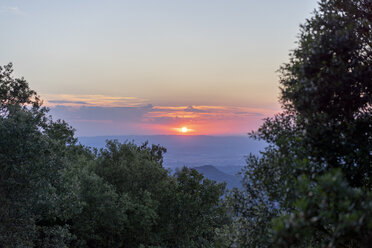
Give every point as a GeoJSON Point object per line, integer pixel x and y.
{"type": "Point", "coordinates": [137, 176]}
{"type": "Point", "coordinates": [15, 92]}
{"type": "Point", "coordinates": [326, 124]}
{"type": "Point", "coordinates": [328, 213]}
{"type": "Point", "coordinates": [158, 209]}
{"type": "Point", "coordinates": [57, 193]}
{"type": "Point", "coordinates": [328, 86]}
{"type": "Point", "coordinates": [37, 195]}
{"type": "Point", "coordinates": [197, 210]}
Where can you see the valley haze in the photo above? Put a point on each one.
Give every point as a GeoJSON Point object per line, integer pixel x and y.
{"type": "Point", "coordinates": [227, 153]}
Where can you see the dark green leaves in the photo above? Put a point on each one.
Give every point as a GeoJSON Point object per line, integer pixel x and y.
{"type": "Point", "coordinates": [312, 185]}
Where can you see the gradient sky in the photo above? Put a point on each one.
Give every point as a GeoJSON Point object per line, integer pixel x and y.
{"type": "Point", "coordinates": [154, 66]}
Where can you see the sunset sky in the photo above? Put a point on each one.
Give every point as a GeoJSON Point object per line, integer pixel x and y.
{"type": "Point", "coordinates": [153, 66]}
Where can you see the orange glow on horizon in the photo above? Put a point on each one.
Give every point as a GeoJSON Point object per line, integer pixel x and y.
{"type": "Point", "coordinates": [206, 127]}
{"type": "Point", "coordinates": [141, 117]}
{"type": "Point", "coordinates": [184, 130]}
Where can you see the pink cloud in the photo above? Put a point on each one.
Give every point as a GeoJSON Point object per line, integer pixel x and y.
{"type": "Point", "coordinates": [105, 115]}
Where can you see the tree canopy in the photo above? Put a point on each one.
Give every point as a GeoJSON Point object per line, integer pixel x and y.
{"type": "Point", "coordinates": [311, 187]}
{"type": "Point", "coordinates": [55, 192]}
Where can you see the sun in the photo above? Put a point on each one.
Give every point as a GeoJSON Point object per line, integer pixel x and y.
{"type": "Point", "coordinates": [184, 130]}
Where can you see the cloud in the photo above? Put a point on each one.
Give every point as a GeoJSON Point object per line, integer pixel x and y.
{"type": "Point", "coordinates": [94, 115]}
{"type": "Point", "coordinates": [249, 113]}
{"type": "Point", "coordinates": [67, 102]}
{"type": "Point", "coordinates": [192, 109]}
{"type": "Point", "coordinates": [95, 121]}
{"type": "Point", "coordinates": [205, 112]}
{"type": "Point", "coordinates": [92, 100]}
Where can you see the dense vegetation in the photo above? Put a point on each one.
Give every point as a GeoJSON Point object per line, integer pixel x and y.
{"type": "Point", "coordinates": [57, 193]}
{"type": "Point", "coordinates": [311, 187]}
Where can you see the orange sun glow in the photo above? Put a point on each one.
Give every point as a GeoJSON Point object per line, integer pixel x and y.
{"type": "Point", "coordinates": [184, 130]}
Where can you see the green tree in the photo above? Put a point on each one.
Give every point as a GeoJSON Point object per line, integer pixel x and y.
{"type": "Point", "coordinates": [137, 176]}
{"type": "Point", "coordinates": [37, 195]}
{"type": "Point", "coordinates": [328, 86]}
{"type": "Point", "coordinates": [328, 213]}
{"type": "Point", "coordinates": [15, 92]}
{"type": "Point", "coordinates": [326, 124]}
{"type": "Point", "coordinates": [162, 210]}
{"type": "Point", "coordinates": [197, 210]}
{"type": "Point", "coordinates": [57, 193]}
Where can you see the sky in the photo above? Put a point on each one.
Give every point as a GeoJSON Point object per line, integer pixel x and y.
{"type": "Point", "coordinates": [190, 67]}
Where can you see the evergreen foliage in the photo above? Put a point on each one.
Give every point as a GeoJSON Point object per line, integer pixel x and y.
{"type": "Point", "coordinates": [57, 193]}
{"type": "Point", "coordinates": [312, 185]}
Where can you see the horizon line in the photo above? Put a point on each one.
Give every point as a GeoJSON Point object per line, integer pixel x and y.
{"type": "Point", "coordinates": [178, 135]}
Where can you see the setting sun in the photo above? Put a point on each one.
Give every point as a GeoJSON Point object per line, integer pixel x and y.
{"type": "Point", "coordinates": [183, 130]}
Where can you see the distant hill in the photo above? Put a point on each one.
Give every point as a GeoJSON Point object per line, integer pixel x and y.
{"type": "Point", "coordinates": [213, 173]}
{"type": "Point", "coordinates": [225, 152]}
{"type": "Point", "coordinates": [231, 170]}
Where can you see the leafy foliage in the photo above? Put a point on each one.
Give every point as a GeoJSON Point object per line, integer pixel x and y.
{"type": "Point", "coordinates": [326, 124]}
{"type": "Point", "coordinates": [329, 213]}
{"type": "Point", "coordinates": [57, 193]}
{"type": "Point", "coordinates": [14, 92]}
{"type": "Point", "coordinates": [197, 210]}
{"type": "Point", "coordinates": [35, 192]}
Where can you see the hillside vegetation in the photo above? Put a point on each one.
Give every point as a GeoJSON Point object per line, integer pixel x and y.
{"type": "Point", "coordinates": [57, 193]}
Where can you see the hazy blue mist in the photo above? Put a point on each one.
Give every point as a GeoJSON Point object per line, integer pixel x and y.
{"type": "Point", "coordinates": [225, 152]}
